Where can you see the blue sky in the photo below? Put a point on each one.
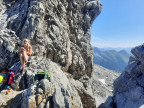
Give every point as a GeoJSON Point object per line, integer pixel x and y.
{"type": "Point", "coordinates": [120, 24]}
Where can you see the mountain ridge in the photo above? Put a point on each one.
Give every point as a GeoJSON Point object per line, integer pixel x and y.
{"type": "Point", "coordinates": [111, 59]}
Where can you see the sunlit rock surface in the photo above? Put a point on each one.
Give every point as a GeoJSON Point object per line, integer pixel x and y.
{"type": "Point", "coordinates": [59, 31]}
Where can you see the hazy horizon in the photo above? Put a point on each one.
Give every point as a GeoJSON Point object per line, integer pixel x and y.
{"type": "Point", "coordinates": [114, 47]}
{"type": "Point", "coordinates": [120, 24]}
{"type": "Point", "coordinates": [128, 49]}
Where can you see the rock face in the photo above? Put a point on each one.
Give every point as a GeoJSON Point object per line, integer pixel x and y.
{"type": "Point", "coordinates": [128, 88]}
{"type": "Point", "coordinates": [9, 43]}
{"type": "Point", "coordinates": [102, 83]}
{"type": "Point", "coordinates": [59, 31]}
{"type": "Point", "coordinates": [59, 91]}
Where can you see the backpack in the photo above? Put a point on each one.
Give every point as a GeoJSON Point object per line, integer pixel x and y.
{"type": "Point", "coordinates": [4, 79]}
{"type": "Point", "coordinates": [41, 75]}
{"type": "Point", "coordinates": [16, 68]}
{"type": "Point", "coordinates": [11, 78]}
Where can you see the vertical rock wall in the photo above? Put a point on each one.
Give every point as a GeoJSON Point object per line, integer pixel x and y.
{"type": "Point", "coordinates": [58, 29]}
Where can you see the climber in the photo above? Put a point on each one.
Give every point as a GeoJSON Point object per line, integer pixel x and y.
{"type": "Point", "coordinates": [25, 53]}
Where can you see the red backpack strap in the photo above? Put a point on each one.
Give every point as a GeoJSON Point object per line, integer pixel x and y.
{"type": "Point", "coordinates": [11, 78]}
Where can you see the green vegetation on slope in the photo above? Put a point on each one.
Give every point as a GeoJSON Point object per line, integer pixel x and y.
{"type": "Point", "coordinates": [111, 59]}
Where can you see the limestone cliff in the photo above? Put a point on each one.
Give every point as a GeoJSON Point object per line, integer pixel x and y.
{"type": "Point", "coordinates": [59, 31]}
{"type": "Point", "coordinates": [128, 88]}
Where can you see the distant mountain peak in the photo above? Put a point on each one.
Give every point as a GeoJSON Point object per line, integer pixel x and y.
{"type": "Point", "coordinates": [111, 59]}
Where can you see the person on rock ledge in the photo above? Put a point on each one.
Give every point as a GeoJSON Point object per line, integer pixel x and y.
{"type": "Point", "coordinates": [25, 53]}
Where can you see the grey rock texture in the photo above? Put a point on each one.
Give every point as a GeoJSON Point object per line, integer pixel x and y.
{"type": "Point", "coordinates": [59, 31]}
{"type": "Point", "coordinates": [59, 92]}
{"type": "Point", "coordinates": [128, 88]}
{"type": "Point", "coordinates": [85, 91]}
{"type": "Point", "coordinates": [102, 83]}
{"type": "Point", "coordinates": [8, 48]}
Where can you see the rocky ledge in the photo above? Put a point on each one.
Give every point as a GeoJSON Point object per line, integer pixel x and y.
{"type": "Point", "coordinates": [59, 92]}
